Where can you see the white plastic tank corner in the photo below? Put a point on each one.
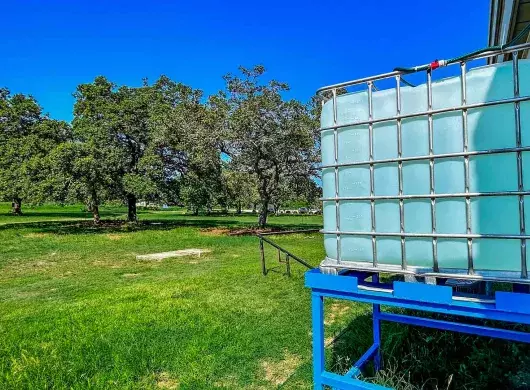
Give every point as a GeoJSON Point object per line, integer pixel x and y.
{"type": "Point", "coordinates": [490, 127]}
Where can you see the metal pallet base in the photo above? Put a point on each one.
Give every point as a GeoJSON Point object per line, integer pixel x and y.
{"type": "Point", "coordinates": [511, 307]}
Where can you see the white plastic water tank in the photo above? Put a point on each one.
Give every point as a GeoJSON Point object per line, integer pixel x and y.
{"type": "Point", "coordinates": [491, 127]}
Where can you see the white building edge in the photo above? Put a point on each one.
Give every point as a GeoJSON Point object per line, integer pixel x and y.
{"type": "Point", "coordinates": [507, 19]}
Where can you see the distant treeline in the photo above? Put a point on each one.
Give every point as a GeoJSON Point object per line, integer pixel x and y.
{"type": "Point", "coordinates": [244, 147]}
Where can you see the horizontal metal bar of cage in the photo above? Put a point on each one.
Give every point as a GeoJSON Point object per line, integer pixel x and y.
{"type": "Point", "coordinates": [429, 112]}
{"type": "Point", "coordinates": [387, 75]}
{"type": "Point", "coordinates": [428, 196]}
{"type": "Point", "coordinates": [429, 235]}
{"type": "Point", "coordinates": [428, 157]}
{"type": "Point", "coordinates": [451, 273]}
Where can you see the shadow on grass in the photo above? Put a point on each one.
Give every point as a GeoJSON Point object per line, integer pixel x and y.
{"type": "Point", "coordinates": [423, 358]}
{"type": "Point", "coordinates": [61, 214]}
{"type": "Point", "coordinates": [111, 226]}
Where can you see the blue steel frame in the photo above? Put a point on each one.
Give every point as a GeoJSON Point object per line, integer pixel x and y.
{"type": "Point", "coordinates": [508, 306]}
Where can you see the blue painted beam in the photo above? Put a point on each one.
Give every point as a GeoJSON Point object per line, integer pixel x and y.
{"type": "Point", "coordinates": [459, 308]}
{"type": "Point", "coordinates": [359, 364]}
{"type": "Point", "coordinates": [316, 280]}
{"type": "Point", "coordinates": [317, 309]}
{"type": "Point", "coordinates": [344, 383]}
{"type": "Point", "coordinates": [458, 327]}
{"type": "Point", "coordinates": [513, 302]}
{"type": "Point", "coordinates": [423, 292]}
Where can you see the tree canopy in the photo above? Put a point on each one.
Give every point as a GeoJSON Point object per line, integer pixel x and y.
{"type": "Point", "coordinates": [267, 136]}
{"type": "Point", "coordinates": [163, 142]}
{"type": "Point", "coordinates": [26, 137]}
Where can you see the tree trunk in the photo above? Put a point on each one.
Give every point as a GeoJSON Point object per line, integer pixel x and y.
{"type": "Point", "coordinates": [196, 211]}
{"type": "Point", "coordinates": [262, 218]}
{"type": "Point", "coordinates": [239, 207]}
{"type": "Point", "coordinates": [16, 206]}
{"type": "Point", "coordinates": [131, 208]}
{"type": "Point", "coordinates": [93, 206]}
{"type": "Point", "coordinates": [95, 214]}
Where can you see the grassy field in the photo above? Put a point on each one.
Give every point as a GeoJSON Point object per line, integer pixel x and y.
{"type": "Point", "coordinates": [78, 311]}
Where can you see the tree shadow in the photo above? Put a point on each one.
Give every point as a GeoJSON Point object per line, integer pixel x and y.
{"type": "Point", "coordinates": [62, 214]}
{"type": "Point", "coordinates": [114, 226]}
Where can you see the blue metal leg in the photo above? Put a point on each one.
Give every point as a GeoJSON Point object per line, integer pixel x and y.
{"type": "Point", "coordinates": [317, 308]}
{"type": "Point", "coordinates": [376, 311]}
{"type": "Point", "coordinates": [377, 336]}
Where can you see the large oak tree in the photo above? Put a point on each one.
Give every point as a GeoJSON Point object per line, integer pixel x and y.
{"type": "Point", "coordinates": [266, 135]}
{"type": "Point", "coordinates": [26, 138]}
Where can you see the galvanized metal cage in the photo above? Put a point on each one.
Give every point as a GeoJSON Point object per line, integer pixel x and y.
{"type": "Point", "coordinates": [330, 93]}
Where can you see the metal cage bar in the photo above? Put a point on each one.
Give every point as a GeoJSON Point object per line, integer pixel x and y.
{"type": "Point", "coordinates": [431, 235]}
{"type": "Point", "coordinates": [388, 75]}
{"type": "Point", "coordinates": [429, 196]}
{"type": "Point", "coordinates": [400, 175]}
{"type": "Point", "coordinates": [465, 148]}
{"type": "Point", "coordinates": [520, 185]}
{"type": "Point", "coordinates": [336, 159]}
{"type": "Point", "coordinates": [371, 158]}
{"type": "Point", "coordinates": [431, 172]}
{"type": "Point", "coordinates": [430, 112]}
{"type": "Point", "coordinates": [434, 156]}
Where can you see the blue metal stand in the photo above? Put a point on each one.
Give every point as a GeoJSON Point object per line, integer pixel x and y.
{"type": "Point", "coordinates": [507, 306]}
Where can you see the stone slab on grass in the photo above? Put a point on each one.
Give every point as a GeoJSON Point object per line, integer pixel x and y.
{"type": "Point", "coordinates": [168, 255]}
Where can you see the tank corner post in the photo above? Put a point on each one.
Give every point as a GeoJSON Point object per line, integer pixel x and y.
{"type": "Point", "coordinates": [520, 175]}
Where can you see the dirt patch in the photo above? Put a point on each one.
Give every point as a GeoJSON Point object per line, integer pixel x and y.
{"type": "Point", "coordinates": [167, 255]}
{"type": "Point", "coordinates": [336, 312]}
{"type": "Point", "coordinates": [29, 294]}
{"type": "Point", "coordinates": [231, 382]}
{"type": "Point", "coordinates": [165, 381]}
{"type": "Point", "coordinates": [45, 264]}
{"type": "Point", "coordinates": [130, 276]}
{"type": "Point", "coordinates": [277, 372]}
{"type": "Point", "coordinates": [214, 232]}
{"type": "Point", "coordinates": [115, 237]}
{"type": "Point", "coordinates": [106, 264]}
{"type": "Point", "coordinates": [249, 232]}
{"type": "Point", "coordinates": [36, 235]}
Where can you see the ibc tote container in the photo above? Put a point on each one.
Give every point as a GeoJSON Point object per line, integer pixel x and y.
{"type": "Point", "coordinates": [432, 179]}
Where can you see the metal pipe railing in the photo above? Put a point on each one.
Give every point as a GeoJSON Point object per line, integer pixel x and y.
{"type": "Point", "coordinates": [288, 255]}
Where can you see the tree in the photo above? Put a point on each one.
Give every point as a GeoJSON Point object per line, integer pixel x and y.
{"type": "Point", "coordinates": [26, 138]}
{"type": "Point", "coordinates": [241, 188]}
{"type": "Point", "coordinates": [299, 189]}
{"type": "Point", "coordinates": [188, 132]}
{"type": "Point", "coordinates": [139, 132]}
{"type": "Point", "coordinates": [83, 171]}
{"type": "Point", "coordinates": [202, 183]}
{"type": "Point", "coordinates": [267, 136]}
{"type": "Point", "coordinates": [91, 164]}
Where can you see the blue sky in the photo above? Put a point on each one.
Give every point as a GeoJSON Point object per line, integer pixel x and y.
{"type": "Point", "coordinates": [49, 47]}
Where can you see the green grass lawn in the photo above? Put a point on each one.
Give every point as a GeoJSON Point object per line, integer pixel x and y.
{"type": "Point", "coordinates": [78, 311]}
